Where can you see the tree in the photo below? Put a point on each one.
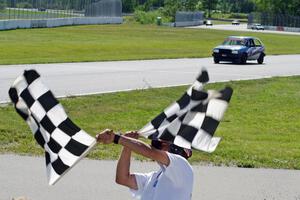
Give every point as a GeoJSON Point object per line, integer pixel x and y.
{"type": "Point", "coordinates": [128, 6]}
{"type": "Point", "coordinates": [209, 5]}
{"type": "Point", "coordinates": [199, 5]}
{"type": "Point", "coordinates": [190, 5]}
{"type": "Point", "coordinates": [224, 6]}
{"type": "Point", "coordinates": [171, 7]}
{"type": "Point", "coordinates": [291, 7]}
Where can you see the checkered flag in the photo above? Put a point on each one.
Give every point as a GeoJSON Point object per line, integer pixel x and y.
{"type": "Point", "coordinates": [64, 142]}
{"type": "Point", "coordinates": [191, 121]}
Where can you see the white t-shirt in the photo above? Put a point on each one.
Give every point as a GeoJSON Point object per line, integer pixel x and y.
{"type": "Point", "coordinates": [174, 182]}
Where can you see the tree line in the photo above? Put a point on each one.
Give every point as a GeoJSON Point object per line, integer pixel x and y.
{"type": "Point", "coordinates": [290, 7]}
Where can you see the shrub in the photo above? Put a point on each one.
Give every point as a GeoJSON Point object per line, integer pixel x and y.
{"type": "Point", "coordinates": [146, 17]}
{"type": "Point", "coordinates": [238, 15]}
{"type": "Point", "coordinates": [150, 17]}
{"type": "Point", "coordinates": [171, 7]}
{"type": "Point", "coordinates": [219, 15]}
{"type": "Point", "coordinates": [24, 5]}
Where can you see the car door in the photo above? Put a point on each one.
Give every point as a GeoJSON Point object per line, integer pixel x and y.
{"type": "Point", "coordinates": [254, 50]}
{"type": "Point", "coordinates": [259, 48]}
{"type": "Point", "coordinates": [251, 49]}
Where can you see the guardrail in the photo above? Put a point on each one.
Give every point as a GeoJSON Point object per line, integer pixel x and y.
{"type": "Point", "coordinates": [278, 28]}
{"type": "Point", "coordinates": [49, 23]}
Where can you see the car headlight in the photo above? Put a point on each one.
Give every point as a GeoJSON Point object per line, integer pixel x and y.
{"type": "Point", "coordinates": [216, 50]}
{"type": "Point", "coordinates": [234, 52]}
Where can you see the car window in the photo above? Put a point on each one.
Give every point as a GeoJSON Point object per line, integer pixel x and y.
{"type": "Point", "coordinates": [257, 42]}
{"type": "Point", "coordinates": [248, 44]}
{"type": "Point", "coordinates": [237, 42]}
{"type": "Point", "coordinates": [251, 43]}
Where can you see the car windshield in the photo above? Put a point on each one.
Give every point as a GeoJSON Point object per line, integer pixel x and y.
{"type": "Point", "coordinates": [235, 41]}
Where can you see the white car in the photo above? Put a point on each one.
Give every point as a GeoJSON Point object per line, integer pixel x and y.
{"type": "Point", "coordinates": [257, 27]}
{"type": "Point", "coordinates": [235, 22]}
{"type": "Point", "coordinates": [209, 23]}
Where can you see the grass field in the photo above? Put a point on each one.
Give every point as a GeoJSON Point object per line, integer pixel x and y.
{"type": "Point", "coordinates": [122, 42]}
{"type": "Point", "coordinates": [260, 128]}
{"type": "Point", "coordinates": [216, 22]}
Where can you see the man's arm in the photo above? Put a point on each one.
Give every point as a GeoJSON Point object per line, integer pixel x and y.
{"type": "Point", "coordinates": [136, 146]}
{"type": "Point", "coordinates": [144, 149]}
{"type": "Point", "coordinates": [123, 176]}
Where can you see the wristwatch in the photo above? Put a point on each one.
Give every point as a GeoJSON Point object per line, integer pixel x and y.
{"type": "Point", "coordinates": [117, 138]}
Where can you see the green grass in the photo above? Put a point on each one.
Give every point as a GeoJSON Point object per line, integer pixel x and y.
{"type": "Point", "coordinates": [260, 128]}
{"type": "Point", "coordinates": [122, 42]}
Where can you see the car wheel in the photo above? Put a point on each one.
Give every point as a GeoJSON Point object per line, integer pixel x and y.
{"type": "Point", "coordinates": [260, 60]}
{"type": "Point", "coordinates": [243, 59]}
{"type": "Point", "coordinates": [216, 60]}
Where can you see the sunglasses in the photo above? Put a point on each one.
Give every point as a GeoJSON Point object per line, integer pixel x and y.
{"type": "Point", "coordinates": [156, 144]}
{"type": "Point", "coordinates": [172, 148]}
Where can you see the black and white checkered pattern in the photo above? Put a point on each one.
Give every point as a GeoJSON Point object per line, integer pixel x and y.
{"type": "Point", "coordinates": [64, 142]}
{"type": "Point", "coordinates": [191, 121]}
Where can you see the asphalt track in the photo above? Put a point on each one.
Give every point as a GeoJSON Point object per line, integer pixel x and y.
{"type": "Point", "coordinates": [242, 27]}
{"type": "Point", "coordinates": [69, 79]}
{"type": "Point", "coordinates": [94, 180]}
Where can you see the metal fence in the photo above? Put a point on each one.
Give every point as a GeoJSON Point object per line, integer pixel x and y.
{"type": "Point", "coordinates": [268, 19]}
{"type": "Point", "coordinates": [47, 9]}
{"type": "Point", "coordinates": [189, 18]}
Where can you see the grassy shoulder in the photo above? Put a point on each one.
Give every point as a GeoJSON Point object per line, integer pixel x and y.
{"type": "Point", "coordinates": [127, 41]}
{"type": "Point", "coordinates": [260, 128]}
{"type": "Point", "coordinates": [219, 22]}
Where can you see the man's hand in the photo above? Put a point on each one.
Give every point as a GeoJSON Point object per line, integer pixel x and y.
{"type": "Point", "coordinates": [132, 134]}
{"type": "Point", "coordinates": [106, 137]}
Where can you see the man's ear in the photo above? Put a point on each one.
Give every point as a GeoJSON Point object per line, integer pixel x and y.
{"type": "Point", "coordinates": [188, 153]}
{"type": "Point", "coordinates": [165, 146]}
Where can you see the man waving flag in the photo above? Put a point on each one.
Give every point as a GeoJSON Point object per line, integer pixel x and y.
{"type": "Point", "coordinates": [188, 123]}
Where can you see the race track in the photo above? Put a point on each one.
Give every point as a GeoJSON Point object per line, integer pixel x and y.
{"type": "Point", "coordinates": [242, 27]}
{"type": "Point", "coordinates": [70, 79]}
